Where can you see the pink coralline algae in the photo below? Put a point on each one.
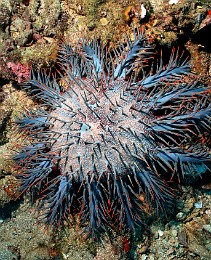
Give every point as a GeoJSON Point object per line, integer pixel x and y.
{"type": "Point", "coordinates": [20, 71]}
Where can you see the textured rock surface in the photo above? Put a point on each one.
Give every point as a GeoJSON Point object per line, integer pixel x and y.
{"type": "Point", "coordinates": [21, 238]}
{"type": "Point", "coordinates": [30, 30]}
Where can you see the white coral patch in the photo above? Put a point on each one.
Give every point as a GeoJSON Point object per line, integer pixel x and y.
{"type": "Point", "coordinates": [171, 2]}
{"type": "Point", "coordinates": [143, 11]}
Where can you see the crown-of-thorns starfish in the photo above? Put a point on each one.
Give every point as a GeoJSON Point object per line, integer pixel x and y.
{"type": "Point", "coordinates": [108, 131]}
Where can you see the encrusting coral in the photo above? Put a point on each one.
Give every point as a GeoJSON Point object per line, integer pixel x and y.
{"type": "Point", "coordinates": [109, 131]}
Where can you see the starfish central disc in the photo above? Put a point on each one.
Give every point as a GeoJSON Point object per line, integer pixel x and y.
{"type": "Point", "coordinates": [100, 130]}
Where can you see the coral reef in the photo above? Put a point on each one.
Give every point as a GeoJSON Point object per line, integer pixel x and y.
{"type": "Point", "coordinates": [27, 27]}
{"type": "Point", "coordinates": [12, 104]}
{"type": "Point", "coordinates": [109, 132]}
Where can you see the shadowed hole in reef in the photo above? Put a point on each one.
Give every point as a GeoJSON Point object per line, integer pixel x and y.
{"type": "Point", "coordinates": [202, 37]}
{"type": "Point", "coordinates": [8, 208]}
{"type": "Point", "coordinates": [203, 182]}
{"type": "Point", "coordinates": [164, 52]}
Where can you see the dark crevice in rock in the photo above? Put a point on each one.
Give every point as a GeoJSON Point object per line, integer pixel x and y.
{"type": "Point", "coordinates": [8, 208]}
{"type": "Point", "coordinates": [202, 37]}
